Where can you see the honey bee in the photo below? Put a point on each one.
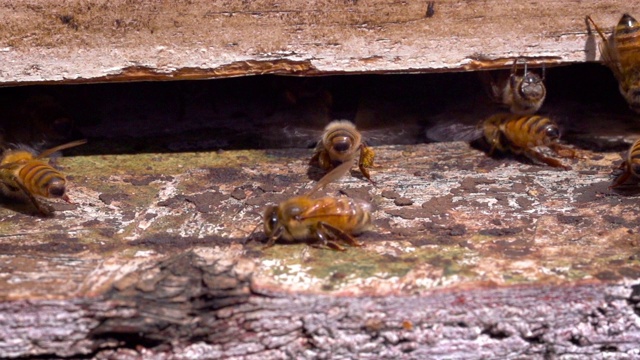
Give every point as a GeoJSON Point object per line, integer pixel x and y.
{"type": "Point", "coordinates": [505, 132]}
{"type": "Point", "coordinates": [523, 94]}
{"type": "Point", "coordinates": [621, 53]}
{"type": "Point", "coordinates": [520, 134]}
{"type": "Point", "coordinates": [339, 144]}
{"type": "Point", "coordinates": [22, 171]}
{"type": "Point", "coordinates": [631, 165]}
{"type": "Point", "coordinates": [324, 221]}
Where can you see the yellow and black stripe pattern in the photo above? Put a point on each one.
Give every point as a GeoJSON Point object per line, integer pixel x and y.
{"type": "Point", "coordinates": [626, 38]}
{"type": "Point", "coordinates": [515, 133]}
{"type": "Point", "coordinates": [622, 56]}
{"type": "Point", "coordinates": [633, 158]}
{"type": "Point", "coordinates": [630, 166]}
{"type": "Point", "coordinates": [41, 179]}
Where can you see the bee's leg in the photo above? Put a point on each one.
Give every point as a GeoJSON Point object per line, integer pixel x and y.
{"type": "Point", "coordinates": [323, 239]}
{"type": "Point", "coordinates": [338, 233]}
{"type": "Point", "coordinates": [272, 240]}
{"type": "Point", "coordinates": [490, 85]}
{"type": "Point", "coordinates": [315, 159]}
{"type": "Point", "coordinates": [324, 160]}
{"type": "Point", "coordinates": [493, 146]}
{"type": "Point", "coordinates": [498, 141]}
{"type": "Point", "coordinates": [367, 155]}
{"type": "Point", "coordinates": [514, 68]}
{"type": "Point", "coordinates": [36, 204]}
{"type": "Point", "coordinates": [513, 83]}
{"type": "Point", "coordinates": [589, 19]}
{"type": "Point", "coordinates": [562, 150]}
{"type": "Point", "coordinates": [535, 155]}
{"type": "Point", "coordinates": [622, 178]}
{"type": "Point", "coordinates": [335, 246]}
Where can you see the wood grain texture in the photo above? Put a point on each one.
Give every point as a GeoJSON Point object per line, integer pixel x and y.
{"type": "Point", "coordinates": [80, 41]}
{"type": "Point", "coordinates": [207, 306]}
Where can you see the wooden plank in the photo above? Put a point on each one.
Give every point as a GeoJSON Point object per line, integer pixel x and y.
{"type": "Point", "coordinates": [470, 256]}
{"type": "Point", "coordinates": [80, 41]}
{"type": "Point", "coordinates": [207, 307]}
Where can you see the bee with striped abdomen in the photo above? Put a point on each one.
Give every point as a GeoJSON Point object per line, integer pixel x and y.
{"type": "Point", "coordinates": [505, 132]}
{"type": "Point", "coordinates": [523, 94]}
{"type": "Point", "coordinates": [323, 221]}
{"type": "Point", "coordinates": [22, 172]}
{"type": "Point", "coordinates": [521, 134]}
{"type": "Point", "coordinates": [339, 144]}
{"type": "Point", "coordinates": [621, 53]}
{"type": "Point", "coordinates": [630, 166]}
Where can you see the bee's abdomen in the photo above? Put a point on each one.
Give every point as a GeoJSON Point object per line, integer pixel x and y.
{"type": "Point", "coordinates": [527, 131]}
{"type": "Point", "coordinates": [41, 179]}
{"type": "Point", "coordinates": [634, 158]}
{"type": "Point", "coordinates": [361, 214]}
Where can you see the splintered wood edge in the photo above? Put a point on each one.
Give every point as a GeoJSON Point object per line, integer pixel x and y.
{"type": "Point", "coordinates": [208, 306]}
{"type": "Point", "coordinates": [80, 42]}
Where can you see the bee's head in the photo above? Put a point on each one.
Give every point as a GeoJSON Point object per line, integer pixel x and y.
{"type": "Point", "coordinates": [341, 138]}
{"type": "Point", "coordinates": [531, 87]}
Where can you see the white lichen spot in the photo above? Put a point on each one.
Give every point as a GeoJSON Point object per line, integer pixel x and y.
{"type": "Point", "coordinates": [144, 253]}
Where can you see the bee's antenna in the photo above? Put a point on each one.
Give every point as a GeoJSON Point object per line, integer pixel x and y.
{"type": "Point", "coordinates": [250, 237]}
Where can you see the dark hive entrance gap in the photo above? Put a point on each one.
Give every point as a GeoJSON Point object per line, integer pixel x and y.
{"type": "Point", "coordinates": [289, 112]}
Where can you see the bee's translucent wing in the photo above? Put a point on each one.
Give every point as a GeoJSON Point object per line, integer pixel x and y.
{"type": "Point", "coordinates": [289, 136]}
{"type": "Point", "coordinates": [61, 147]}
{"type": "Point", "coordinates": [453, 132]}
{"type": "Point", "coordinates": [400, 134]}
{"type": "Point", "coordinates": [332, 176]}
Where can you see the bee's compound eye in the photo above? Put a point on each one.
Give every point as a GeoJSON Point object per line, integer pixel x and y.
{"type": "Point", "coordinates": [271, 219]}
{"type": "Point", "coordinates": [341, 143]}
{"type": "Point", "coordinates": [627, 21]}
{"type": "Point", "coordinates": [552, 132]}
{"type": "Point", "coordinates": [56, 188]}
{"type": "Point", "coordinates": [635, 169]}
{"type": "Point", "coordinates": [531, 78]}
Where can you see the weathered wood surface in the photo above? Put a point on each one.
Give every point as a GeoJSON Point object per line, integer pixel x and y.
{"type": "Point", "coordinates": [79, 41]}
{"type": "Point", "coordinates": [470, 256]}
{"type": "Point", "coordinates": [493, 257]}
{"type": "Point", "coordinates": [201, 305]}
